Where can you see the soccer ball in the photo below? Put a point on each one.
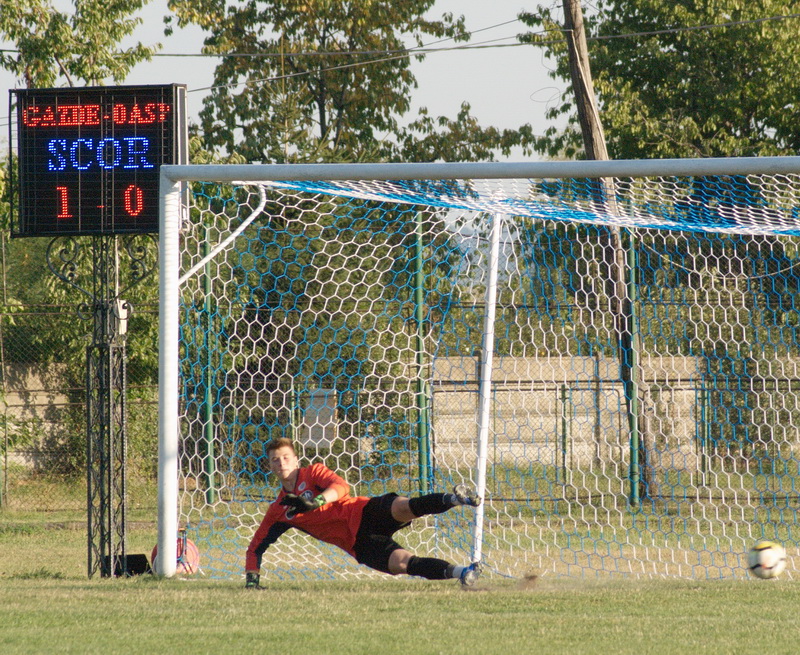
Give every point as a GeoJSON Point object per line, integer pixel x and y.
{"type": "Point", "coordinates": [766, 560]}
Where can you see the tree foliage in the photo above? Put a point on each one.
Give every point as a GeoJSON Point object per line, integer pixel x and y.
{"type": "Point", "coordinates": [82, 46]}
{"type": "Point", "coordinates": [324, 80]}
{"type": "Point", "coordinates": [53, 47]}
{"type": "Point", "coordinates": [682, 78]}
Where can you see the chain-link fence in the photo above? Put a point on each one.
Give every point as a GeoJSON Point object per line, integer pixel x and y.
{"type": "Point", "coordinates": [45, 328]}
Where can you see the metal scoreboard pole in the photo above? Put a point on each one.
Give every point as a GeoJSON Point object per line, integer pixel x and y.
{"type": "Point", "coordinates": [87, 175]}
{"type": "Point", "coordinates": [106, 382]}
{"type": "Point", "coordinates": [106, 417]}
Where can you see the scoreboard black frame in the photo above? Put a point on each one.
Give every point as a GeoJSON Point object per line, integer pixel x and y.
{"type": "Point", "coordinates": [88, 158]}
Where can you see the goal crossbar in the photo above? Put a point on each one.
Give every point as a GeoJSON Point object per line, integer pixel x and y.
{"type": "Point", "coordinates": [475, 170]}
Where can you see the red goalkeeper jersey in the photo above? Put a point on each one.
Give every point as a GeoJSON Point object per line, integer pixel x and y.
{"type": "Point", "coordinates": [335, 523]}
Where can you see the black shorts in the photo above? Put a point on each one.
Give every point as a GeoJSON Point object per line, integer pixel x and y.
{"type": "Point", "coordinates": [374, 543]}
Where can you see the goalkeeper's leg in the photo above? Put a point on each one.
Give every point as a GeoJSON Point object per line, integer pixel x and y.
{"type": "Point", "coordinates": [402, 561]}
{"type": "Point", "coordinates": [405, 510]}
{"type": "Point", "coordinates": [375, 547]}
{"type": "Point", "coordinates": [384, 554]}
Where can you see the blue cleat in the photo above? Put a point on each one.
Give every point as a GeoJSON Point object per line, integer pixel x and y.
{"type": "Point", "coordinates": [464, 495]}
{"type": "Point", "coordinates": [470, 575]}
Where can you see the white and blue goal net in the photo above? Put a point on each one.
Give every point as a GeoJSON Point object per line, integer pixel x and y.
{"type": "Point", "coordinates": [609, 351]}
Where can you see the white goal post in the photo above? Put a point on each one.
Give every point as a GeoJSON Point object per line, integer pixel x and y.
{"type": "Point", "coordinates": [576, 456]}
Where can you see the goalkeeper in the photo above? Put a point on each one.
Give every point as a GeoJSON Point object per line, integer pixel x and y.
{"type": "Point", "coordinates": [317, 501]}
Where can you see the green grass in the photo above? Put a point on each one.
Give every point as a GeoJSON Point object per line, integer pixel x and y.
{"type": "Point", "coordinates": [49, 605]}
{"type": "Point", "coordinates": [555, 616]}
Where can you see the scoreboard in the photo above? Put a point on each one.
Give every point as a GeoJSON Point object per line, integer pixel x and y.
{"type": "Point", "coordinates": [88, 158]}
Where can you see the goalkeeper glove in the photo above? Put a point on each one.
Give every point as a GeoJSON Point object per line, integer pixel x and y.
{"type": "Point", "coordinates": [252, 580]}
{"type": "Point", "coordinates": [300, 504]}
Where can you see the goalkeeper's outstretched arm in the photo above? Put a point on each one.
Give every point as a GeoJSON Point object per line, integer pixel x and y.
{"type": "Point", "coordinates": [261, 540]}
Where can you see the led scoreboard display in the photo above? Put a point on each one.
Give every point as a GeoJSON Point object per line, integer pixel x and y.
{"type": "Point", "coordinates": [88, 158]}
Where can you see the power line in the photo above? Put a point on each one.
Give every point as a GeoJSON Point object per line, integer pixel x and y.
{"type": "Point", "coordinates": [345, 53]}
{"type": "Point", "coordinates": [392, 54]}
{"type": "Point", "coordinates": [396, 54]}
{"type": "Point", "coordinates": [692, 28]}
{"type": "Point", "coordinates": [427, 49]}
{"type": "Point", "coordinates": [331, 53]}
{"type": "Point", "coordinates": [411, 51]}
{"type": "Point", "coordinates": [389, 55]}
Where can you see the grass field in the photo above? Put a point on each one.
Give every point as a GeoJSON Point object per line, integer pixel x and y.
{"type": "Point", "coordinates": [49, 605]}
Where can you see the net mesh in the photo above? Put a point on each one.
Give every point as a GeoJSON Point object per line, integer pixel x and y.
{"type": "Point", "coordinates": [644, 390]}
{"type": "Point", "coordinates": [739, 204]}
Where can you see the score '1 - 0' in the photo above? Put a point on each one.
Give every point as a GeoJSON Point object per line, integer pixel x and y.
{"type": "Point", "coordinates": [132, 200]}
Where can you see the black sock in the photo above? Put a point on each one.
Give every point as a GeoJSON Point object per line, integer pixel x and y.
{"type": "Point", "coordinates": [430, 568]}
{"type": "Point", "coordinates": [430, 504]}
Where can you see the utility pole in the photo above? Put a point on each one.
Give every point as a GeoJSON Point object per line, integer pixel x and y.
{"type": "Point", "coordinates": [594, 141]}
{"type": "Point", "coordinates": [618, 254]}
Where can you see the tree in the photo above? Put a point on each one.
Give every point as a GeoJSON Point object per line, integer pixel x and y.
{"type": "Point", "coordinates": [325, 80]}
{"type": "Point", "coordinates": [80, 46]}
{"type": "Point", "coordinates": [680, 78]}
{"type": "Point", "coordinates": [53, 48]}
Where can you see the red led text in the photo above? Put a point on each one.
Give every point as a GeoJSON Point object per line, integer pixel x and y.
{"type": "Point", "coordinates": [146, 113]}
{"type": "Point", "coordinates": [132, 201]}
